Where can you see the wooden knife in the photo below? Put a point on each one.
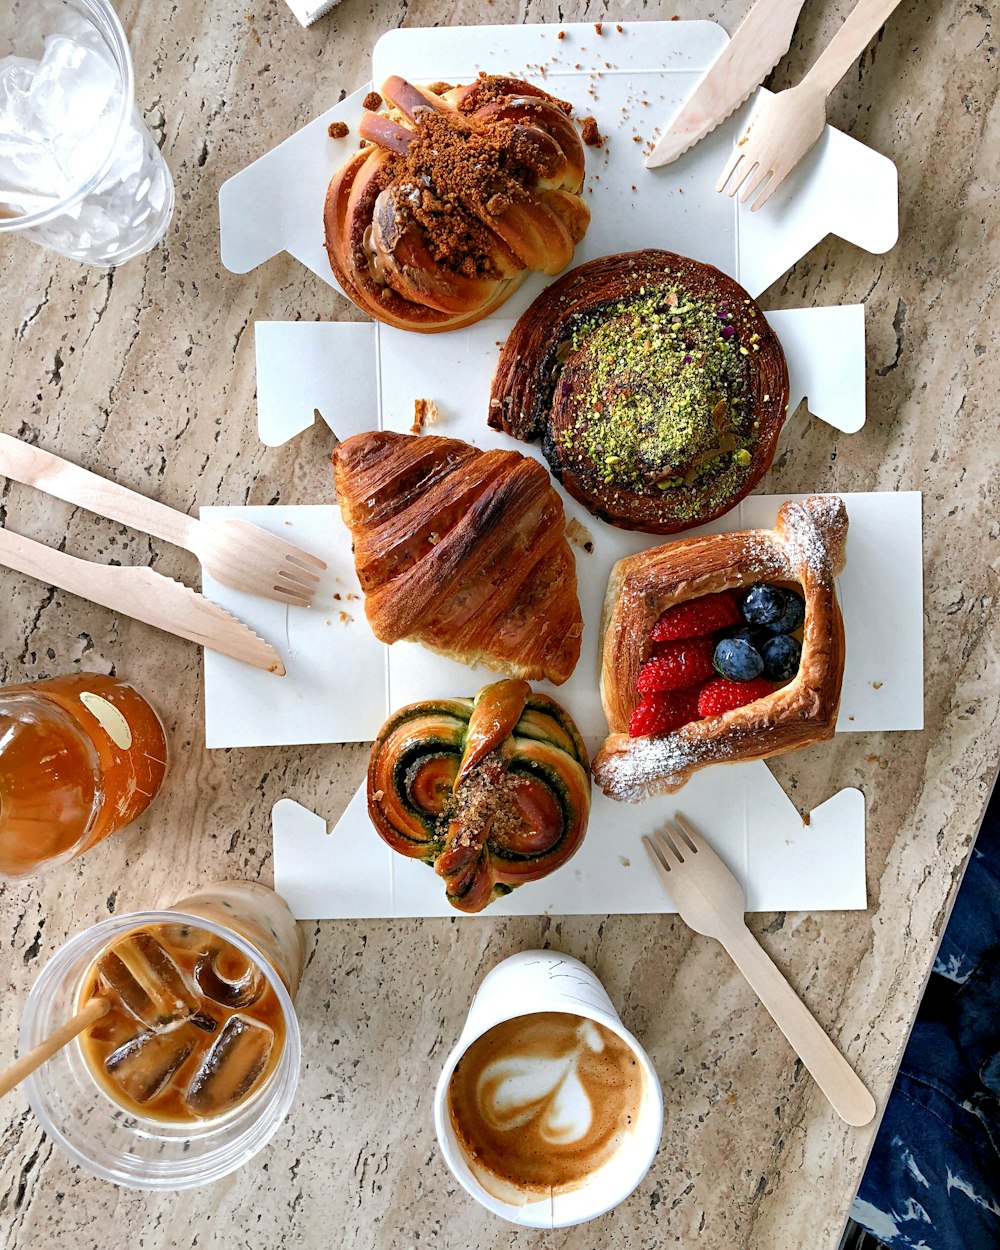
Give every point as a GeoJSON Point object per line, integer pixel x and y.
{"type": "Point", "coordinates": [143, 594]}
{"type": "Point", "coordinates": [760, 41]}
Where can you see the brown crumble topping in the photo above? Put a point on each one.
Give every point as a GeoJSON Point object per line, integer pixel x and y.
{"type": "Point", "coordinates": [598, 27]}
{"type": "Point", "coordinates": [561, 35]}
{"type": "Point", "coordinates": [592, 137]}
{"type": "Point", "coordinates": [372, 102]}
{"type": "Point", "coordinates": [456, 173]}
{"type": "Point", "coordinates": [338, 130]}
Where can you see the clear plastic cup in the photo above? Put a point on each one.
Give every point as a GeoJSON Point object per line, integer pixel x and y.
{"type": "Point", "coordinates": [79, 171]}
{"type": "Point", "coordinates": [144, 1153]}
{"type": "Point", "coordinates": [548, 981]}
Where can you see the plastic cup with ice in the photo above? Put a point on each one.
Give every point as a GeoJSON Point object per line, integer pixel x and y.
{"type": "Point", "coordinates": [79, 171]}
{"type": "Point", "coordinates": [194, 1066]}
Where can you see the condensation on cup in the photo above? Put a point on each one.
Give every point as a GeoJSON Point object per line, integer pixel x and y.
{"type": "Point", "coordinates": [80, 172]}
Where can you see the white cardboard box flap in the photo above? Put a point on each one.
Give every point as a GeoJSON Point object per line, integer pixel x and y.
{"type": "Point", "coordinates": [633, 83]}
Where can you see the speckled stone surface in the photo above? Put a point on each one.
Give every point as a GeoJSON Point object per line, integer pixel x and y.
{"type": "Point", "coordinates": [147, 374]}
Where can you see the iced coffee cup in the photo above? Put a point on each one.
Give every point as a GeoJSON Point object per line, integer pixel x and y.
{"type": "Point", "coordinates": [195, 1061]}
{"type": "Point", "coordinates": [548, 1111]}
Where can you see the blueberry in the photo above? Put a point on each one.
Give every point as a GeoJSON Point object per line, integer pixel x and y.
{"type": "Point", "coordinates": [751, 634]}
{"type": "Point", "coordinates": [737, 659]}
{"type": "Point", "coordinates": [792, 617]}
{"type": "Point", "coordinates": [763, 604]}
{"type": "Point", "coordinates": [781, 657]}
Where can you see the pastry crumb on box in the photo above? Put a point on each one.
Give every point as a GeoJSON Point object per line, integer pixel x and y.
{"type": "Point", "coordinates": [579, 535]}
{"type": "Point", "coordinates": [372, 102]}
{"type": "Point", "coordinates": [338, 130]}
{"type": "Point", "coordinates": [425, 412]}
{"type": "Point", "coordinates": [590, 133]}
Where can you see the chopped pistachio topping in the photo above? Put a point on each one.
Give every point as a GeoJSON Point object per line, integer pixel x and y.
{"type": "Point", "coordinates": [657, 385]}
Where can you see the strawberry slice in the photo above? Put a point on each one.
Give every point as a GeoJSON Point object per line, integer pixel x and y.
{"type": "Point", "coordinates": [697, 617]}
{"type": "Point", "coordinates": [662, 712]}
{"type": "Point", "coordinates": [722, 695]}
{"type": "Point", "coordinates": [676, 665]}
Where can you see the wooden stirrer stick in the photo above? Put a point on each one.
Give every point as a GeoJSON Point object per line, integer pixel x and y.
{"type": "Point", "coordinates": [91, 1012]}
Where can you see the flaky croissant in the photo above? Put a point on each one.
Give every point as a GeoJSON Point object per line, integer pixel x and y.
{"type": "Point", "coordinates": [462, 550]}
{"type": "Point", "coordinates": [493, 791]}
{"type": "Point", "coordinates": [457, 194]}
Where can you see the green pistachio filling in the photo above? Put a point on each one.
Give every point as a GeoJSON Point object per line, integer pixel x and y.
{"type": "Point", "coordinates": [657, 386]}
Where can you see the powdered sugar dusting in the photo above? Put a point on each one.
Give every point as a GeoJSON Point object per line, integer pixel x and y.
{"type": "Point", "coordinates": [807, 529]}
{"type": "Point", "coordinates": [645, 766]}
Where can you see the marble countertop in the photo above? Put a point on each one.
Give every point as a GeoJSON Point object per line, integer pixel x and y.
{"type": "Point", "coordinates": [147, 374]}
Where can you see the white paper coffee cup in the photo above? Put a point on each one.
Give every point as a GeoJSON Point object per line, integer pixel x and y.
{"type": "Point", "coordinates": [522, 985]}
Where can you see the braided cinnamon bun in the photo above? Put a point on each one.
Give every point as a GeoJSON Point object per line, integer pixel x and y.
{"type": "Point", "coordinates": [457, 194]}
{"type": "Point", "coordinates": [655, 384]}
{"type": "Point", "coordinates": [492, 791]}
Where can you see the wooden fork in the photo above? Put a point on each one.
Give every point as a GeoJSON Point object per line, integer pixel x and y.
{"type": "Point", "coordinates": [710, 900]}
{"type": "Point", "coordinates": [234, 552]}
{"type": "Point", "coordinates": [785, 126]}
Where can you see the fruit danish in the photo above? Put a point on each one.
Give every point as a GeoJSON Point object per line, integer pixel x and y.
{"type": "Point", "coordinates": [457, 193]}
{"type": "Point", "coordinates": [654, 384]}
{"type": "Point", "coordinates": [462, 550]}
{"type": "Point", "coordinates": [702, 659]}
{"type": "Point", "coordinates": [492, 791]}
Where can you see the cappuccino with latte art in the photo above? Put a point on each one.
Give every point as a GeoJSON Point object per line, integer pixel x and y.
{"type": "Point", "coordinates": [542, 1102]}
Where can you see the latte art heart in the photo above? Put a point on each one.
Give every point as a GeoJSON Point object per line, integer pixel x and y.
{"type": "Point", "coordinates": [542, 1101]}
{"type": "Point", "coordinates": [514, 1092]}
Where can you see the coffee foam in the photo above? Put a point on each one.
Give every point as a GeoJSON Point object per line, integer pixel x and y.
{"type": "Point", "coordinates": [541, 1102]}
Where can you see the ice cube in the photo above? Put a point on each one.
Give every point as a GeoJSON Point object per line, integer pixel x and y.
{"type": "Point", "coordinates": [146, 980]}
{"type": "Point", "coordinates": [229, 977]}
{"type": "Point", "coordinates": [29, 167]}
{"type": "Point", "coordinates": [142, 1066]}
{"type": "Point", "coordinates": [73, 87]}
{"type": "Point", "coordinates": [16, 76]}
{"type": "Point", "coordinates": [233, 1066]}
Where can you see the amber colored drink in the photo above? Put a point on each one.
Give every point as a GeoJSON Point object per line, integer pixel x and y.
{"type": "Point", "coordinates": [80, 758]}
{"type": "Point", "coordinates": [194, 1029]}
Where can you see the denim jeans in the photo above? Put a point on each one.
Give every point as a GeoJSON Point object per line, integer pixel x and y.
{"type": "Point", "coordinates": [933, 1180]}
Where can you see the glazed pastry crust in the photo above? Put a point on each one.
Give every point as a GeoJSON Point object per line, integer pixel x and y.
{"type": "Point", "coordinates": [444, 780]}
{"type": "Point", "coordinates": [463, 551]}
{"type": "Point", "coordinates": [527, 400]}
{"type": "Point", "coordinates": [806, 550]}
